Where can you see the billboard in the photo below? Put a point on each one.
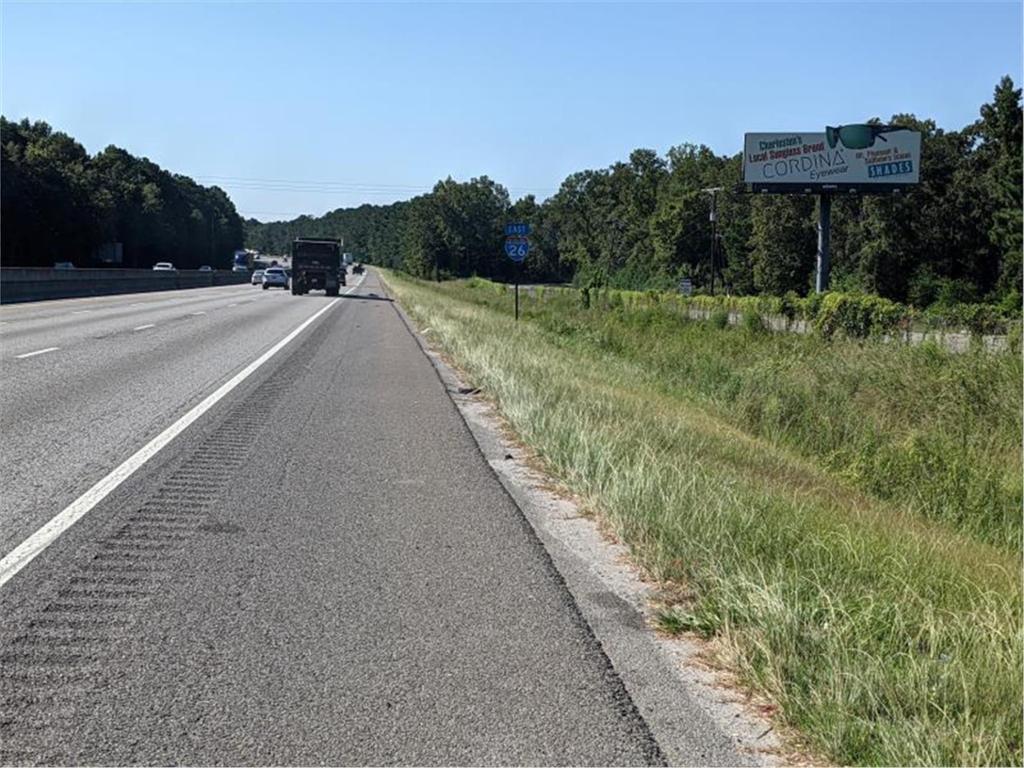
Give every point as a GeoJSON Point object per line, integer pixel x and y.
{"type": "Point", "coordinates": [862, 158]}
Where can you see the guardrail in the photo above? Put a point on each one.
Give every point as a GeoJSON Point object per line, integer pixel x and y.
{"type": "Point", "coordinates": [38, 284]}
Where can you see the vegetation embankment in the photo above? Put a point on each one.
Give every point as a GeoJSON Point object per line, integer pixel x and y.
{"type": "Point", "coordinates": [842, 517]}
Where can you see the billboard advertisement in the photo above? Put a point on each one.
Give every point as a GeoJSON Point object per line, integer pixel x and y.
{"type": "Point", "coordinates": [865, 158]}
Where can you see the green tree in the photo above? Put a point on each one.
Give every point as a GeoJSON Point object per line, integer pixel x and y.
{"type": "Point", "coordinates": [783, 243]}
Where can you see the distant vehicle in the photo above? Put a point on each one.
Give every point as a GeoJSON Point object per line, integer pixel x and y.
{"type": "Point", "coordinates": [357, 269]}
{"type": "Point", "coordinates": [242, 261]}
{"type": "Point", "coordinates": [206, 268]}
{"type": "Point", "coordinates": [317, 265]}
{"type": "Point", "coordinates": [257, 277]}
{"type": "Point", "coordinates": [164, 266]}
{"type": "Point", "coordinates": [63, 265]}
{"type": "Point", "coordinates": [275, 277]}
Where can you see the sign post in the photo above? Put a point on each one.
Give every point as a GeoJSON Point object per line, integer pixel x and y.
{"type": "Point", "coordinates": [858, 159]}
{"type": "Point", "coordinates": [517, 247]}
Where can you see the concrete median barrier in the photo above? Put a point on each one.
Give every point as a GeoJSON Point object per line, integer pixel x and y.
{"type": "Point", "coordinates": [36, 284]}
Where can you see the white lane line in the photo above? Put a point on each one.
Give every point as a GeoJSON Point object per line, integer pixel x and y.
{"type": "Point", "coordinates": [195, 314]}
{"type": "Point", "coordinates": [144, 327]}
{"type": "Point", "coordinates": [233, 305]}
{"type": "Point", "coordinates": [25, 552]}
{"type": "Point", "coordinates": [81, 311]}
{"type": "Point", "coordinates": [37, 352]}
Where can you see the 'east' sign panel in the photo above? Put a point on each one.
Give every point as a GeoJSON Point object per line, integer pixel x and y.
{"type": "Point", "coordinates": [517, 229]}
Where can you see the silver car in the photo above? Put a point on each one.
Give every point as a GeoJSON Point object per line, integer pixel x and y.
{"type": "Point", "coordinates": [275, 277]}
{"type": "Point", "coordinates": [257, 277]}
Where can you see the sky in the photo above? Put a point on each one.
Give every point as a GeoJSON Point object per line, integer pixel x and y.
{"type": "Point", "coordinates": [306, 107]}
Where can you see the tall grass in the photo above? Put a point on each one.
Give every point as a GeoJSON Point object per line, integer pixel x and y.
{"type": "Point", "coordinates": [886, 625]}
{"type": "Point", "coordinates": [936, 432]}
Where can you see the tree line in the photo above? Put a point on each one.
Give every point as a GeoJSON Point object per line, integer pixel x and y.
{"type": "Point", "coordinates": [58, 203]}
{"type": "Point", "coordinates": [644, 223]}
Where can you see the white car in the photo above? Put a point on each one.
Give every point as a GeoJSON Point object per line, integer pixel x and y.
{"type": "Point", "coordinates": [164, 266]}
{"type": "Point", "coordinates": [276, 277]}
{"type": "Point", "coordinates": [206, 268]}
{"type": "Point", "coordinates": [257, 277]}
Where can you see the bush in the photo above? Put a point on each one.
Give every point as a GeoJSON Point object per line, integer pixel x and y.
{"type": "Point", "coordinates": [976, 318]}
{"type": "Point", "coordinates": [858, 316]}
{"type": "Point", "coordinates": [719, 319]}
{"type": "Point", "coordinates": [754, 323]}
{"type": "Point", "coordinates": [1013, 337]}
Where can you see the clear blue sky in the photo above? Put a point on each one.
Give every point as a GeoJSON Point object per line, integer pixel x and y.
{"type": "Point", "coordinates": [382, 100]}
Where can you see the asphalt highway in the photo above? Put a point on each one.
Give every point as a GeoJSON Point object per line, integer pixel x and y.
{"type": "Point", "coordinates": [319, 569]}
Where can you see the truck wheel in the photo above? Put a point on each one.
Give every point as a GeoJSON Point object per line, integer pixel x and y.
{"type": "Point", "coordinates": [265, 286]}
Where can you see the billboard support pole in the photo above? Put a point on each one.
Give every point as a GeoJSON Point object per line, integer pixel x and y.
{"type": "Point", "coordinates": [824, 241]}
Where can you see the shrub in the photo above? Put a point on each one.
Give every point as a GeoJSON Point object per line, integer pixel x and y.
{"type": "Point", "coordinates": [754, 323]}
{"type": "Point", "coordinates": [857, 316]}
{"type": "Point", "coordinates": [1013, 336]}
{"type": "Point", "coordinates": [719, 318]}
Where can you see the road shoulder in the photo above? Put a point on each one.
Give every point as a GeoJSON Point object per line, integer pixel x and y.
{"type": "Point", "coordinates": [696, 717]}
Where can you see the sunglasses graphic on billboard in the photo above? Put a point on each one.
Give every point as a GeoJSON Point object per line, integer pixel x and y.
{"type": "Point", "coordinates": [859, 136]}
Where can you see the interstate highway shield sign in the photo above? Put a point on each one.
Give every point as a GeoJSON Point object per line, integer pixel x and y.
{"type": "Point", "coordinates": [516, 248]}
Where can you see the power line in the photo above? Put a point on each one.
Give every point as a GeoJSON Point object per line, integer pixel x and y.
{"type": "Point", "coordinates": [354, 185]}
{"type": "Point", "coordinates": [325, 186]}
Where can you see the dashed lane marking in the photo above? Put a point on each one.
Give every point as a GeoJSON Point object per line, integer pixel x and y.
{"type": "Point", "coordinates": [25, 552]}
{"type": "Point", "coordinates": [37, 352]}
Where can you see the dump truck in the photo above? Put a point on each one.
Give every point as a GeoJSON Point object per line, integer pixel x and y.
{"type": "Point", "coordinates": [317, 265]}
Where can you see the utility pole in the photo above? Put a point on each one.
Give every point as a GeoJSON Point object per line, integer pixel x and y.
{"type": "Point", "coordinates": [713, 191]}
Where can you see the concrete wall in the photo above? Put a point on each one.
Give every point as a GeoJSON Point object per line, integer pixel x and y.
{"type": "Point", "coordinates": [31, 284]}
{"type": "Point", "coordinates": [954, 341]}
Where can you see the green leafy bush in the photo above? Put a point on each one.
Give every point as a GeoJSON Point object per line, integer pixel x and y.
{"type": "Point", "coordinates": [857, 316]}
{"type": "Point", "coordinates": [719, 319]}
{"type": "Point", "coordinates": [754, 323]}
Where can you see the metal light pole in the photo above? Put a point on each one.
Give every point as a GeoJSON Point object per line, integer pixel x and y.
{"type": "Point", "coordinates": [713, 191]}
